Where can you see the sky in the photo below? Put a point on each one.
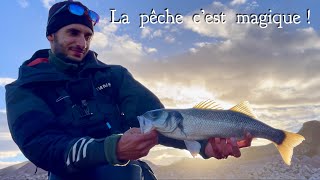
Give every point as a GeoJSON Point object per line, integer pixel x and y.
{"type": "Point", "coordinates": [272, 59]}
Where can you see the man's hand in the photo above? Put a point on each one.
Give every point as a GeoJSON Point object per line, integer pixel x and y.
{"type": "Point", "coordinates": [221, 148]}
{"type": "Point", "coordinates": [134, 145]}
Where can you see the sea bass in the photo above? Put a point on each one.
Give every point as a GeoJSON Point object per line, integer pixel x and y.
{"type": "Point", "coordinates": [205, 120]}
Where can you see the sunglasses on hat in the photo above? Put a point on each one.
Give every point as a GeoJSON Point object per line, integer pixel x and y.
{"type": "Point", "coordinates": [78, 10]}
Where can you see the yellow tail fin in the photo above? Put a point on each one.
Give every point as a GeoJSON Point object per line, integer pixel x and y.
{"type": "Point", "coordinates": [290, 141]}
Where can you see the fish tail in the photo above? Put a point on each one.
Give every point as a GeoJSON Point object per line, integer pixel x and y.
{"type": "Point", "coordinates": [290, 141]}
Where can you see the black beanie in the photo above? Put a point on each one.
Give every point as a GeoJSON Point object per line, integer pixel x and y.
{"type": "Point", "coordinates": [64, 17]}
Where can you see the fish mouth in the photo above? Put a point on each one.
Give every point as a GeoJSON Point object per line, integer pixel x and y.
{"type": "Point", "coordinates": [140, 119]}
{"type": "Point", "coordinates": [145, 124]}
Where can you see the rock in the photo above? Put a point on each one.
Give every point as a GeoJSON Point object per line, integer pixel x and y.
{"type": "Point", "coordinates": [311, 146]}
{"type": "Point", "coordinates": [315, 161]}
{"type": "Point", "coordinates": [25, 170]}
{"type": "Point", "coordinates": [315, 176]}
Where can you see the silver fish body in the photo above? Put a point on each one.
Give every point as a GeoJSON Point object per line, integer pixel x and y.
{"type": "Point", "coordinates": [200, 124]}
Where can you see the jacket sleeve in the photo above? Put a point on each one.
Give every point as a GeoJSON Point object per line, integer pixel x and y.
{"type": "Point", "coordinates": [34, 129]}
{"type": "Point", "coordinates": [135, 99]}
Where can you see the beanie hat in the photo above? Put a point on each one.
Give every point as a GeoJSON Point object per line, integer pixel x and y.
{"type": "Point", "coordinates": [65, 17]}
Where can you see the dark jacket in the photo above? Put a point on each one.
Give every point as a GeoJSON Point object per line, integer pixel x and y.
{"type": "Point", "coordinates": [56, 108]}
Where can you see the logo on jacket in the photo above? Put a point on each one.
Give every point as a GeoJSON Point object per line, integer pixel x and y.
{"type": "Point", "coordinates": [103, 86]}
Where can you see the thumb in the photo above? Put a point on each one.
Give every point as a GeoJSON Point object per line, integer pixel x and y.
{"type": "Point", "coordinates": [134, 131]}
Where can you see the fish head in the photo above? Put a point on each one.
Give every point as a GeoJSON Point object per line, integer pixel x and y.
{"type": "Point", "coordinates": [160, 119]}
{"type": "Point", "coordinates": [145, 124]}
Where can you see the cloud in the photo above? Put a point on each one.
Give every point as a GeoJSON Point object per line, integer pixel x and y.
{"type": "Point", "coordinates": [6, 164]}
{"type": "Point", "coordinates": [5, 135]}
{"type": "Point", "coordinates": [178, 94]}
{"type": "Point", "coordinates": [9, 151]}
{"type": "Point", "coordinates": [237, 2]}
{"type": "Point", "coordinates": [157, 33]}
{"type": "Point", "coordinates": [111, 46]}
{"type": "Point", "coordinates": [148, 32]}
{"type": "Point", "coordinates": [120, 44]}
{"type": "Point", "coordinates": [48, 3]}
{"type": "Point", "coordinates": [169, 39]}
{"type": "Point", "coordinates": [104, 36]}
{"type": "Point", "coordinates": [9, 154]}
{"type": "Point", "coordinates": [4, 130]}
{"type": "Point", "coordinates": [251, 6]}
{"type": "Point", "coordinates": [23, 3]}
{"type": "Point", "coordinates": [310, 40]}
{"type": "Point", "coordinates": [151, 50]}
{"type": "Point", "coordinates": [289, 118]}
{"type": "Point", "coordinates": [224, 28]}
{"type": "Point", "coordinates": [200, 45]}
{"type": "Point", "coordinates": [4, 81]}
{"type": "Point", "coordinates": [145, 32]}
{"type": "Point", "coordinates": [99, 41]}
{"type": "Point", "coordinates": [7, 147]}
{"type": "Point", "coordinates": [269, 66]}
{"type": "Point", "coordinates": [193, 50]}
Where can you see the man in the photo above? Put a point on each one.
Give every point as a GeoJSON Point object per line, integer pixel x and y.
{"type": "Point", "coordinates": [75, 116]}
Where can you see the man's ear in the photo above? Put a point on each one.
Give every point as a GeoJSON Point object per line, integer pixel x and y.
{"type": "Point", "coordinates": [50, 37]}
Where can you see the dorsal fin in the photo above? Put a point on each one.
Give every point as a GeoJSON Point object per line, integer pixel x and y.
{"type": "Point", "coordinates": [244, 108]}
{"type": "Point", "coordinates": [208, 104]}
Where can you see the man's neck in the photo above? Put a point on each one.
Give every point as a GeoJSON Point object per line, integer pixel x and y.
{"type": "Point", "coordinates": [64, 64]}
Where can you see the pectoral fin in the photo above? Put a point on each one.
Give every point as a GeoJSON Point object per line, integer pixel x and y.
{"type": "Point", "coordinates": [193, 147]}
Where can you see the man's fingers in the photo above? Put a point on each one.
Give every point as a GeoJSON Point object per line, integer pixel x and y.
{"type": "Point", "coordinates": [216, 148]}
{"type": "Point", "coordinates": [217, 140]}
{"type": "Point", "coordinates": [224, 148]}
{"type": "Point", "coordinates": [246, 142]}
{"type": "Point", "coordinates": [148, 141]}
{"type": "Point", "coordinates": [150, 136]}
{"type": "Point", "coordinates": [134, 131]}
{"type": "Point", "coordinates": [148, 147]}
{"type": "Point", "coordinates": [249, 138]}
{"type": "Point", "coordinates": [134, 145]}
{"type": "Point", "coordinates": [235, 149]}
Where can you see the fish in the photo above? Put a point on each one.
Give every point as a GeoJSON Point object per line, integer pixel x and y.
{"type": "Point", "coordinates": [207, 119]}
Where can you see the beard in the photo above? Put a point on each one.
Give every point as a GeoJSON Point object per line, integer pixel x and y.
{"type": "Point", "coordinates": [58, 48]}
{"type": "Point", "coordinates": [61, 50]}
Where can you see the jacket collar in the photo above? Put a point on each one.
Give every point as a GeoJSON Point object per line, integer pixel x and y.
{"type": "Point", "coordinates": [56, 69]}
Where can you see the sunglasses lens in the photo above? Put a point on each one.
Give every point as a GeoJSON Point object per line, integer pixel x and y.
{"type": "Point", "coordinates": [76, 9]}
{"type": "Point", "coordinates": [94, 16]}
{"type": "Point", "coordinates": [79, 10]}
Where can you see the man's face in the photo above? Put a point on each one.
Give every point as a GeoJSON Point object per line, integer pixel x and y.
{"type": "Point", "coordinates": [71, 41]}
